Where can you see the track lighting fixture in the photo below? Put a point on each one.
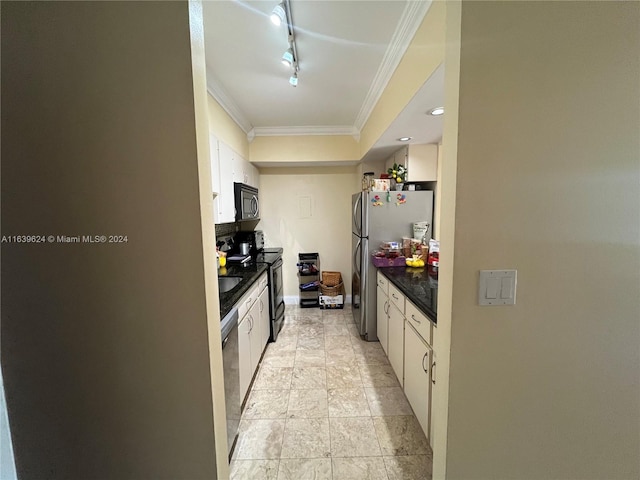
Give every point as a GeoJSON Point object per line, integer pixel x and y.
{"type": "Point", "coordinates": [278, 14]}
{"type": "Point", "coordinates": [282, 13]}
{"type": "Point", "coordinates": [287, 57]}
{"type": "Point", "coordinates": [293, 79]}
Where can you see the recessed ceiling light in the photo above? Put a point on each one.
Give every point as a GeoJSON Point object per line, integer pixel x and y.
{"type": "Point", "coordinates": [404, 139]}
{"type": "Point", "coordinates": [436, 111]}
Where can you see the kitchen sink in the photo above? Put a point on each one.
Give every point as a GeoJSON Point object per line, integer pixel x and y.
{"type": "Point", "coordinates": [228, 283]}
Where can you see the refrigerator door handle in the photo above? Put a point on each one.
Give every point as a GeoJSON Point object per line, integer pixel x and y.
{"type": "Point", "coordinates": [357, 208]}
{"type": "Point", "coordinates": [355, 256]}
{"type": "Point", "coordinates": [364, 299]}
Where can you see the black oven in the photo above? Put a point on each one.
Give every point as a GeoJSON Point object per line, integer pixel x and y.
{"type": "Point", "coordinates": [273, 258]}
{"type": "Point", "coordinates": [246, 202]}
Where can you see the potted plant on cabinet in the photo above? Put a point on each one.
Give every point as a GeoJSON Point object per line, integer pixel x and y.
{"type": "Point", "coordinates": [398, 172]}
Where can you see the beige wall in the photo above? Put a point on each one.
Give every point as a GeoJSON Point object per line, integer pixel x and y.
{"type": "Point", "coordinates": [226, 129]}
{"type": "Point", "coordinates": [547, 183]}
{"type": "Point", "coordinates": [308, 210]}
{"type": "Point", "coordinates": [104, 346]}
{"type": "Point", "coordinates": [421, 59]}
{"type": "Point", "coordinates": [212, 301]}
{"type": "Point", "coordinates": [304, 148]}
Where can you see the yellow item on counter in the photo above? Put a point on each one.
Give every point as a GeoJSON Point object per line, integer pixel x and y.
{"type": "Point", "coordinates": [223, 261]}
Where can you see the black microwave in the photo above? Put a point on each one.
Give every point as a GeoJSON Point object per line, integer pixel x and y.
{"type": "Point", "coordinates": [246, 201]}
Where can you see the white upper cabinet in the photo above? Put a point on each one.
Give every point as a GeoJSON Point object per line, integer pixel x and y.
{"type": "Point", "coordinates": [227, 167]}
{"type": "Point", "coordinates": [421, 161]}
{"type": "Point", "coordinates": [245, 172]}
{"type": "Point", "coordinates": [224, 204]}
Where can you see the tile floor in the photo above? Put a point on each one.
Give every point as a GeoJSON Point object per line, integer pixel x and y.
{"type": "Point", "coordinates": [326, 405]}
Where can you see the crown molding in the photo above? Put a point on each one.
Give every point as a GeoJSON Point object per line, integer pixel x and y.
{"type": "Point", "coordinates": [226, 102]}
{"type": "Point", "coordinates": [311, 130]}
{"type": "Point", "coordinates": [408, 24]}
{"type": "Point", "coordinates": [410, 20]}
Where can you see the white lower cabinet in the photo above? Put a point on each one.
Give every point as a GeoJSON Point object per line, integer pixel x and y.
{"type": "Point", "coordinates": [256, 335]}
{"type": "Point", "coordinates": [252, 309]}
{"type": "Point", "coordinates": [382, 319]}
{"type": "Point", "coordinates": [417, 376]}
{"type": "Point", "coordinates": [408, 337]}
{"type": "Point", "coordinates": [244, 349]}
{"type": "Point", "coordinates": [396, 341]}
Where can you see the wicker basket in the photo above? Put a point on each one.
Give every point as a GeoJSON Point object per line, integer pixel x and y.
{"type": "Point", "coordinates": [331, 291]}
{"type": "Point", "coordinates": [331, 279]}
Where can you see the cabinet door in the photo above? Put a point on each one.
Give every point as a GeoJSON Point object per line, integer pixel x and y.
{"type": "Point", "coordinates": [254, 176]}
{"type": "Point", "coordinates": [240, 169]}
{"type": "Point", "coordinates": [434, 385]}
{"type": "Point", "coordinates": [422, 162]}
{"type": "Point", "coordinates": [225, 204]}
{"type": "Point", "coordinates": [383, 319]}
{"type": "Point", "coordinates": [265, 321]}
{"type": "Point", "coordinates": [417, 381]}
{"type": "Point", "coordinates": [255, 335]}
{"type": "Point", "coordinates": [244, 349]}
{"type": "Point", "coordinates": [396, 341]}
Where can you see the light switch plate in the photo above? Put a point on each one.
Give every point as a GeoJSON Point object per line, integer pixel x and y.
{"type": "Point", "coordinates": [497, 287]}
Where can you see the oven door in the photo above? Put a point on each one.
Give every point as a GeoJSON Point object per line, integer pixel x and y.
{"type": "Point", "coordinates": [276, 308]}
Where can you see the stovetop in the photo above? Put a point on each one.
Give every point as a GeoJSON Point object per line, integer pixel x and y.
{"type": "Point", "coordinates": [267, 255]}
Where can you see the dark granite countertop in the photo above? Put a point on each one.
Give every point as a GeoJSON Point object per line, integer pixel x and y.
{"type": "Point", "coordinates": [420, 285]}
{"type": "Point", "coordinates": [249, 274]}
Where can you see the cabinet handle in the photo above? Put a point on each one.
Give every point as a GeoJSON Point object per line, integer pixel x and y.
{"type": "Point", "coordinates": [394, 296]}
{"type": "Point", "coordinates": [251, 324]}
{"type": "Point", "coordinates": [261, 306]}
{"type": "Point", "coordinates": [415, 319]}
{"type": "Point", "coordinates": [433, 373]}
{"type": "Point", "coordinates": [386, 307]}
{"type": "Point", "coordinates": [248, 303]}
{"type": "Point", "coordinates": [423, 359]}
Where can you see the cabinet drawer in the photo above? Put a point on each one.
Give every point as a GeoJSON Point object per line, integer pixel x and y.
{"type": "Point", "coordinates": [262, 283]}
{"type": "Point", "coordinates": [247, 300]}
{"type": "Point", "coordinates": [396, 297]}
{"type": "Point", "coordinates": [419, 321]}
{"type": "Point", "coordinates": [383, 283]}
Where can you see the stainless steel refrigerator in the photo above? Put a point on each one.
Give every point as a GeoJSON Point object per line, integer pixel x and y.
{"type": "Point", "coordinates": [385, 218]}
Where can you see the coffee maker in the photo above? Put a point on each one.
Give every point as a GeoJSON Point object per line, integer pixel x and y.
{"type": "Point", "coordinates": [255, 239]}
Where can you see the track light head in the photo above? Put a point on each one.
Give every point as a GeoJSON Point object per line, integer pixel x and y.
{"type": "Point", "coordinates": [278, 14]}
{"type": "Point", "coordinates": [293, 79]}
{"type": "Point", "coordinates": [287, 57]}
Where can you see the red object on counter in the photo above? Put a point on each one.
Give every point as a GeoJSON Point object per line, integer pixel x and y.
{"type": "Point", "coordinates": [388, 262]}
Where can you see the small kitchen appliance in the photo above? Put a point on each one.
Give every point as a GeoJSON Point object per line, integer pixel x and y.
{"type": "Point", "coordinates": [255, 239]}
{"type": "Point", "coordinates": [246, 202]}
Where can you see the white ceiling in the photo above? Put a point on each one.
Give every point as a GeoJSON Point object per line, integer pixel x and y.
{"type": "Point", "coordinates": [347, 51]}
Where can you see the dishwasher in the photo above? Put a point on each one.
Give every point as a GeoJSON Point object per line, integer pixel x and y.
{"type": "Point", "coordinates": [230, 363]}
